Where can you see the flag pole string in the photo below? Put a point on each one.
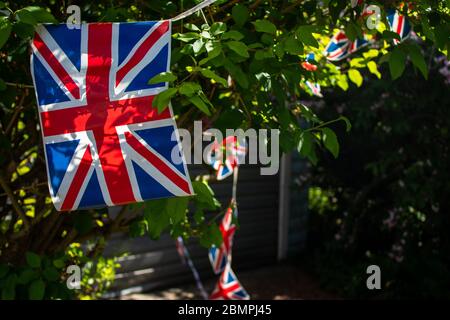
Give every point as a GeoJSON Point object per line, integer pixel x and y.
{"type": "Point", "coordinates": [186, 258]}
{"type": "Point", "coordinates": [235, 181]}
{"type": "Point", "coordinates": [194, 9]}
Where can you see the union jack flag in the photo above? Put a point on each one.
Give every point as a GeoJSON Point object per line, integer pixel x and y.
{"type": "Point", "coordinates": [337, 47]}
{"type": "Point", "coordinates": [399, 24]}
{"type": "Point", "coordinates": [220, 256]}
{"type": "Point", "coordinates": [307, 64]}
{"type": "Point", "coordinates": [340, 46]}
{"type": "Point", "coordinates": [314, 88]}
{"type": "Point", "coordinates": [227, 155]}
{"type": "Point", "coordinates": [228, 287]}
{"type": "Point", "coordinates": [356, 45]}
{"type": "Point", "coordinates": [104, 142]}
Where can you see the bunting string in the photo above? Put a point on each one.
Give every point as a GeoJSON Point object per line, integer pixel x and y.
{"type": "Point", "coordinates": [186, 258]}
{"type": "Point", "coordinates": [194, 9]}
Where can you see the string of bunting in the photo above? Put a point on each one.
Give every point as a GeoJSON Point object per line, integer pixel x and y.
{"type": "Point", "coordinates": [186, 259]}
{"type": "Point", "coordinates": [228, 286]}
{"type": "Point", "coordinates": [226, 156]}
{"type": "Point", "coordinates": [340, 46]}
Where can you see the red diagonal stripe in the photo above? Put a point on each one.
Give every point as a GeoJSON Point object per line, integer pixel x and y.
{"type": "Point", "coordinates": [78, 180]}
{"type": "Point", "coordinates": [157, 163]}
{"type": "Point", "coordinates": [400, 25]}
{"type": "Point", "coordinates": [61, 73]}
{"type": "Point", "coordinates": [142, 50]}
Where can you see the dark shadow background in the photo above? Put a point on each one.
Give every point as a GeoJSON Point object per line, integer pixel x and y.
{"type": "Point", "coordinates": [385, 200]}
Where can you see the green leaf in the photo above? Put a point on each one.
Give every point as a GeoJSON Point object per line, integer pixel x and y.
{"type": "Point", "coordinates": [342, 81]}
{"type": "Point", "coordinates": [233, 34]}
{"type": "Point", "coordinates": [200, 104]}
{"type": "Point", "coordinates": [348, 125]}
{"type": "Point", "coordinates": [239, 47]}
{"type": "Point", "coordinates": [2, 5]}
{"type": "Point", "coordinates": [352, 31]}
{"type": "Point", "coordinates": [137, 228]}
{"type": "Point", "coordinates": [163, 77]}
{"type": "Point", "coordinates": [5, 30]}
{"type": "Point", "coordinates": [237, 74]}
{"type": "Point", "coordinates": [418, 60]}
{"type": "Point", "coordinates": [9, 287]}
{"type": "Point", "coordinates": [390, 35]}
{"type": "Point", "coordinates": [210, 236]}
{"type": "Point", "coordinates": [240, 14]}
{"type": "Point", "coordinates": [306, 148]}
{"type": "Point", "coordinates": [198, 46]}
{"type": "Point", "coordinates": [205, 195]}
{"type": "Point", "coordinates": [218, 28]}
{"type": "Point", "coordinates": [191, 26]}
{"type": "Point", "coordinates": [373, 68]}
{"type": "Point", "coordinates": [156, 216]}
{"type": "Point", "coordinates": [308, 114]}
{"type": "Point", "coordinates": [305, 143]}
{"type": "Point", "coordinates": [211, 75]}
{"type": "Point", "coordinates": [442, 35]}
{"type": "Point", "coordinates": [293, 46]}
{"type": "Point", "coordinates": [23, 30]}
{"type": "Point", "coordinates": [305, 35]}
{"type": "Point", "coordinates": [355, 76]}
{"type": "Point", "coordinates": [189, 88]}
{"type": "Point", "coordinates": [265, 26]}
{"type": "Point", "coordinates": [162, 100]}
{"type": "Point", "coordinates": [34, 15]}
{"type": "Point", "coordinates": [26, 276]}
{"type": "Point", "coordinates": [397, 61]}
{"type": "Point", "coordinates": [216, 51]}
{"type": "Point", "coordinates": [33, 260]}
{"type": "Point", "coordinates": [36, 290]}
{"type": "Point", "coordinates": [186, 37]}
{"type": "Point", "coordinates": [51, 274]}
{"type": "Point", "coordinates": [330, 141]}
{"type": "Point", "coordinates": [263, 54]}
{"type": "Point", "coordinates": [59, 263]}
{"type": "Point", "coordinates": [176, 208]}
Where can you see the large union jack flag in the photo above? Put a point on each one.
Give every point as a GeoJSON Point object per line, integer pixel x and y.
{"type": "Point", "coordinates": [228, 287]}
{"type": "Point", "coordinates": [220, 256]}
{"type": "Point", "coordinates": [104, 142]}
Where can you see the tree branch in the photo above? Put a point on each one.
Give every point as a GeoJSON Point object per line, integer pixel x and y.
{"type": "Point", "coordinates": [14, 202]}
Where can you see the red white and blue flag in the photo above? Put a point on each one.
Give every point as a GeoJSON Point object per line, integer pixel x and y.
{"type": "Point", "coordinates": [104, 142]}
{"type": "Point", "coordinates": [227, 155]}
{"type": "Point", "coordinates": [337, 47]}
{"type": "Point", "coordinates": [220, 256]}
{"type": "Point", "coordinates": [314, 88]}
{"type": "Point", "coordinates": [399, 24]}
{"type": "Point", "coordinates": [228, 287]}
{"type": "Point", "coordinates": [340, 46]}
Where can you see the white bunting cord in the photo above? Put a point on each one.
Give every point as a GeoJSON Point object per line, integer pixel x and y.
{"type": "Point", "coordinates": [186, 257]}
{"type": "Point", "coordinates": [193, 10]}
{"type": "Point", "coordinates": [235, 180]}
